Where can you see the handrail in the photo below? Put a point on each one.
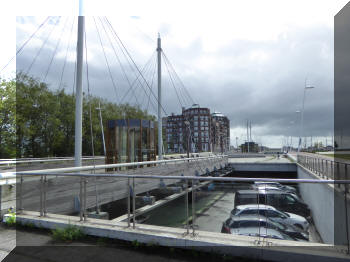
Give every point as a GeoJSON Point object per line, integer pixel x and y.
{"type": "Point", "coordinates": [87, 168]}
{"type": "Point", "coordinates": [199, 178]}
{"type": "Point", "coordinates": [40, 160]}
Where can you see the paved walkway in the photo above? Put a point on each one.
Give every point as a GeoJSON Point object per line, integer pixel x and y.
{"type": "Point", "coordinates": [7, 241]}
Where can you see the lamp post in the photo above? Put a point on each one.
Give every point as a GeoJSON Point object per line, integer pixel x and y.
{"type": "Point", "coordinates": [302, 115]}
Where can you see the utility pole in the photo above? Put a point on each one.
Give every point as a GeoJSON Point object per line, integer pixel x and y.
{"type": "Point", "coordinates": [160, 129]}
{"type": "Point", "coordinates": [247, 138]}
{"type": "Point", "coordinates": [79, 88]}
{"type": "Point", "coordinates": [103, 136]}
{"type": "Point", "coordinates": [250, 130]}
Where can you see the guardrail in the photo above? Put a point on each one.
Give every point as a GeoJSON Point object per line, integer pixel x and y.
{"type": "Point", "coordinates": [324, 168]}
{"type": "Point", "coordinates": [190, 186]}
{"type": "Point", "coordinates": [44, 160]}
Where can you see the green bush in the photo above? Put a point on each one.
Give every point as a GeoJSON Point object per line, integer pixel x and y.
{"type": "Point", "coordinates": [67, 234]}
{"type": "Point", "coordinates": [11, 220]}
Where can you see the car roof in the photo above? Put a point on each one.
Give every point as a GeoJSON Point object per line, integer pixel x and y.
{"type": "Point", "coordinates": [260, 191]}
{"type": "Point", "coordinates": [262, 230]}
{"type": "Point", "coordinates": [255, 206]}
{"type": "Point", "coordinates": [250, 218]}
{"type": "Point", "coordinates": [263, 182]}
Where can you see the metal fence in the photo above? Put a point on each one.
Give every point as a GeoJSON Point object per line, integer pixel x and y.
{"type": "Point", "coordinates": [33, 187]}
{"type": "Point", "coordinates": [325, 168]}
{"type": "Point", "coordinates": [193, 181]}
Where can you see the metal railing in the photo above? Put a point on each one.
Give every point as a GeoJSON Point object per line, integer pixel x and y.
{"type": "Point", "coordinates": [325, 168]}
{"type": "Point", "coordinates": [45, 160]}
{"type": "Point", "coordinates": [199, 165]}
{"type": "Point", "coordinates": [131, 189]}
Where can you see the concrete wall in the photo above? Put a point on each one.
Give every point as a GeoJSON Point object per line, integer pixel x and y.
{"type": "Point", "coordinates": [264, 167]}
{"type": "Point", "coordinates": [320, 198]}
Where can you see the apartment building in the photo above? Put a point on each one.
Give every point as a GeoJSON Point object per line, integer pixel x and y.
{"type": "Point", "coordinates": [197, 123]}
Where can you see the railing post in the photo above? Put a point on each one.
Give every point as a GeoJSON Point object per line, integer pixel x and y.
{"type": "Point", "coordinates": [85, 197]}
{"type": "Point", "coordinates": [45, 189]}
{"type": "Point", "coordinates": [133, 204]}
{"type": "Point", "coordinates": [41, 195]}
{"type": "Point", "coordinates": [193, 206]}
{"type": "Point", "coordinates": [338, 173]}
{"type": "Point", "coordinates": [20, 195]}
{"type": "Point", "coordinates": [81, 199]}
{"type": "Point", "coordinates": [186, 206]}
{"type": "Point", "coordinates": [346, 208]}
{"type": "Point", "coordinates": [128, 202]}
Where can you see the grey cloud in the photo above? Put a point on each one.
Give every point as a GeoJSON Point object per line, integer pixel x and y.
{"type": "Point", "coordinates": [268, 92]}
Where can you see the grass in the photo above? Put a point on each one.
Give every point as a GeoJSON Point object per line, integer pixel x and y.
{"type": "Point", "coordinates": [342, 156]}
{"type": "Point", "coordinates": [68, 234]}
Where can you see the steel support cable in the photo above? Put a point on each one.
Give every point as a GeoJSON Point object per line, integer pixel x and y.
{"type": "Point", "coordinates": [149, 95]}
{"type": "Point", "coordinates": [126, 57]}
{"type": "Point", "coordinates": [65, 58]}
{"type": "Point", "coordinates": [74, 76]}
{"type": "Point", "coordinates": [25, 43]}
{"type": "Point", "coordinates": [179, 79]}
{"type": "Point", "coordinates": [43, 44]}
{"type": "Point", "coordinates": [151, 75]}
{"type": "Point", "coordinates": [115, 53]}
{"type": "Point", "coordinates": [138, 76]}
{"type": "Point", "coordinates": [166, 65]}
{"type": "Point", "coordinates": [90, 116]}
{"type": "Point", "coordinates": [148, 73]}
{"type": "Point", "coordinates": [104, 53]}
{"type": "Point", "coordinates": [178, 91]}
{"type": "Point", "coordinates": [136, 83]}
{"type": "Point", "coordinates": [55, 50]}
{"type": "Point", "coordinates": [89, 95]}
{"type": "Point", "coordinates": [183, 94]}
{"type": "Point", "coordinates": [135, 64]}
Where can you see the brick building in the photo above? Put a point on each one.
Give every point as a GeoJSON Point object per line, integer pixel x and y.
{"type": "Point", "coordinates": [203, 135]}
{"type": "Point", "coordinates": [220, 132]}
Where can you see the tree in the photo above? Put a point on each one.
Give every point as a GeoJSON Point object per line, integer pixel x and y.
{"type": "Point", "coordinates": [46, 120]}
{"type": "Point", "coordinates": [7, 118]}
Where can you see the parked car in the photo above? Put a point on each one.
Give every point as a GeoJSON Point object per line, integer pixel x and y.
{"type": "Point", "coordinates": [281, 200]}
{"type": "Point", "coordinates": [233, 224]}
{"type": "Point", "coordinates": [272, 213]}
{"type": "Point", "coordinates": [261, 232]}
{"type": "Point", "coordinates": [275, 185]}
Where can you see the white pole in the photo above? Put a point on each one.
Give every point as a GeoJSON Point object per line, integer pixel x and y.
{"type": "Point", "coordinates": [160, 141]}
{"type": "Point", "coordinates": [302, 119]}
{"type": "Point", "coordinates": [247, 136]}
{"type": "Point", "coordinates": [79, 88]}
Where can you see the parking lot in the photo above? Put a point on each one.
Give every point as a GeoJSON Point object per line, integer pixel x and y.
{"type": "Point", "coordinates": [213, 207]}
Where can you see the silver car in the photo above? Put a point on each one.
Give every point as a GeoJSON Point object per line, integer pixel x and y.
{"type": "Point", "coordinates": [272, 213]}
{"type": "Point", "coordinates": [274, 185]}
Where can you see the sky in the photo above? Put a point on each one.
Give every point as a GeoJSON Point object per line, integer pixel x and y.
{"type": "Point", "coordinates": [246, 59]}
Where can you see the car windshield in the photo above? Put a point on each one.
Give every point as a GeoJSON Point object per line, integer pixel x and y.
{"type": "Point", "coordinates": [282, 214]}
{"type": "Point", "coordinates": [278, 225]}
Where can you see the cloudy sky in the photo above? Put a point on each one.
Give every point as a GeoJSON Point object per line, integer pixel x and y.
{"type": "Point", "coordinates": [246, 59]}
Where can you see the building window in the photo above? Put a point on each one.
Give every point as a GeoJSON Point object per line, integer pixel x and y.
{"type": "Point", "coordinates": [196, 134]}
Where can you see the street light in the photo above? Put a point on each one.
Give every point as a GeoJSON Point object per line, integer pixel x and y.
{"type": "Point", "coordinates": [302, 115]}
